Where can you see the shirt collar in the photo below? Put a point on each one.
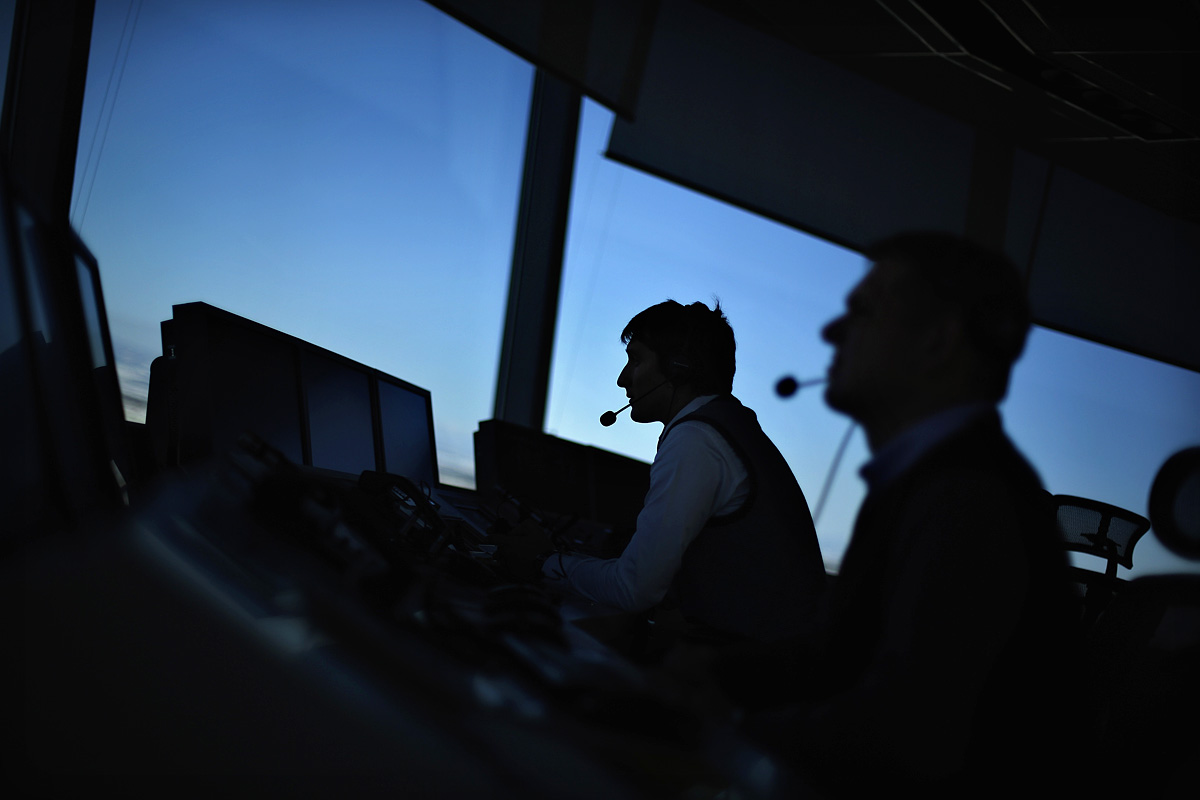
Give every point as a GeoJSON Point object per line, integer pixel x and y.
{"type": "Point", "coordinates": [683, 412]}
{"type": "Point", "coordinates": [898, 455]}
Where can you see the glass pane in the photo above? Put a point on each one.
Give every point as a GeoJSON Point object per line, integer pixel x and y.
{"type": "Point", "coordinates": [347, 173]}
{"type": "Point", "coordinates": [1096, 422]}
{"type": "Point", "coordinates": [635, 241]}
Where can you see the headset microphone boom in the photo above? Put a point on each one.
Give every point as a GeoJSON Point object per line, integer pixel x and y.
{"type": "Point", "coordinates": [609, 417]}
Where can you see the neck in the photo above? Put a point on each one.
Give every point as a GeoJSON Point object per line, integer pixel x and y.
{"type": "Point", "coordinates": [897, 419]}
{"type": "Point", "coordinates": [680, 397]}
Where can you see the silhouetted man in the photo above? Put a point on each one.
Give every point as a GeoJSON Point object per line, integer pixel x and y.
{"type": "Point", "coordinates": [725, 533]}
{"type": "Point", "coordinates": [934, 668]}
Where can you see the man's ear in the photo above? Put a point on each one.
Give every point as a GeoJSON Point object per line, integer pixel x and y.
{"type": "Point", "coordinates": [944, 340]}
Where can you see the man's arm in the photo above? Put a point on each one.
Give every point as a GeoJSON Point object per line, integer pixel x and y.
{"type": "Point", "coordinates": [692, 479]}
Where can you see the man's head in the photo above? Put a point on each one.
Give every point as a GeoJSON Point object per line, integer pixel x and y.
{"type": "Point", "coordinates": [688, 351]}
{"type": "Point", "coordinates": [936, 322]}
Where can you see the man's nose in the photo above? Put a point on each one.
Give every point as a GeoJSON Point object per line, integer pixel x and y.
{"type": "Point", "coordinates": [832, 332]}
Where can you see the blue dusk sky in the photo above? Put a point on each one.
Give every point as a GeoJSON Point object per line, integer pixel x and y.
{"type": "Point", "coordinates": [348, 173]}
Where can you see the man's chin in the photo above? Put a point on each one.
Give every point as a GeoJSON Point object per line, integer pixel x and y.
{"type": "Point", "coordinates": [837, 399]}
{"type": "Point", "coordinates": [639, 415]}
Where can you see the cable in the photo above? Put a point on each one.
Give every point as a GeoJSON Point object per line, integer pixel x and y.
{"type": "Point", "coordinates": [107, 89]}
{"type": "Point", "coordinates": [837, 458]}
{"type": "Point", "coordinates": [115, 91]}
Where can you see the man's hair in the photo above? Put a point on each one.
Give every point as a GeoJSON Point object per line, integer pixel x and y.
{"type": "Point", "coordinates": [980, 284]}
{"type": "Point", "coordinates": [694, 344]}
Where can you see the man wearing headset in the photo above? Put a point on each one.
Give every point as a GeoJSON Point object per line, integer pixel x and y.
{"type": "Point", "coordinates": [725, 533]}
{"type": "Point", "coordinates": [939, 651]}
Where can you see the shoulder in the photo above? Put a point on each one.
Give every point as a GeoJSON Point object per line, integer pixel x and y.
{"type": "Point", "coordinates": [725, 416]}
{"type": "Point", "coordinates": [721, 408]}
{"type": "Point", "coordinates": [980, 454]}
{"type": "Point", "coordinates": [977, 466]}
{"type": "Point", "coordinates": [978, 511]}
{"type": "Point", "coordinates": [966, 493]}
{"type": "Point", "coordinates": [693, 436]}
{"type": "Point", "coordinates": [695, 447]}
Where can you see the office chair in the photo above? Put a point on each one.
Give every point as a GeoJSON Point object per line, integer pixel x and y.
{"type": "Point", "coordinates": [1102, 530]}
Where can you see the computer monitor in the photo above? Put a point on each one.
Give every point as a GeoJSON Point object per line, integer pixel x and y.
{"type": "Point", "coordinates": [232, 375]}
{"type": "Point", "coordinates": [337, 396]}
{"type": "Point", "coordinates": [406, 422]}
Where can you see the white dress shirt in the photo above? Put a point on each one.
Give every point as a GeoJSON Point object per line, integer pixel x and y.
{"type": "Point", "coordinates": [695, 476]}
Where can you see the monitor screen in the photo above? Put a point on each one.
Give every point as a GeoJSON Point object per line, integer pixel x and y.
{"type": "Point", "coordinates": [252, 381]}
{"type": "Point", "coordinates": [316, 407]}
{"type": "Point", "coordinates": [407, 416]}
{"type": "Point", "coordinates": [338, 397]}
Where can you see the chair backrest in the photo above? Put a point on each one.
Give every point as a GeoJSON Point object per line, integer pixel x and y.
{"type": "Point", "coordinates": [1099, 529]}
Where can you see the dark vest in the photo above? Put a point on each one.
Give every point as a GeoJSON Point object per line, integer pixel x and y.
{"type": "Point", "coordinates": [756, 572]}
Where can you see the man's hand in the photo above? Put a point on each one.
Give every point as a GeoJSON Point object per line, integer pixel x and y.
{"type": "Point", "coordinates": [523, 549]}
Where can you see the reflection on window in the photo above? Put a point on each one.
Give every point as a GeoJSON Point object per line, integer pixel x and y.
{"type": "Point", "coordinates": [344, 172]}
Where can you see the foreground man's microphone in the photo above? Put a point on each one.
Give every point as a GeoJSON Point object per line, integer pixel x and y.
{"type": "Point", "coordinates": [788, 385]}
{"type": "Point", "coordinates": [609, 417]}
